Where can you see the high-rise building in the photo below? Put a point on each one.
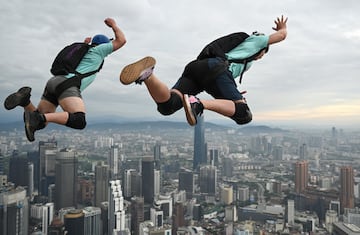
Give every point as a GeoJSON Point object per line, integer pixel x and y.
{"type": "Point", "coordinates": [178, 217]}
{"type": "Point", "coordinates": [18, 171]}
{"type": "Point", "coordinates": [47, 156]}
{"type": "Point", "coordinates": [243, 194]}
{"type": "Point", "coordinates": [231, 214]}
{"type": "Point", "coordinates": [278, 153]}
{"type": "Point", "coordinates": [301, 176]}
{"type": "Point", "coordinates": [228, 167]}
{"type": "Point", "coordinates": [1, 163]}
{"type": "Point", "coordinates": [157, 217]}
{"type": "Point", "coordinates": [43, 213]}
{"type": "Point", "coordinates": [346, 188]}
{"type": "Point", "coordinates": [290, 211]}
{"type": "Point", "coordinates": [207, 179]}
{"type": "Point", "coordinates": [157, 183]}
{"type": "Point", "coordinates": [101, 183]}
{"type": "Point", "coordinates": [86, 191]}
{"type": "Point", "coordinates": [104, 218]}
{"type": "Point", "coordinates": [137, 213]}
{"type": "Point", "coordinates": [186, 182]}
{"type": "Point", "coordinates": [157, 156]}
{"type": "Point", "coordinates": [303, 152]}
{"type": "Point", "coordinates": [116, 208]}
{"type": "Point", "coordinates": [14, 211]}
{"type": "Point", "coordinates": [66, 179]}
{"type": "Point", "coordinates": [92, 221]}
{"type": "Point", "coordinates": [331, 217]}
{"type": "Point", "coordinates": [226, 195]}
{"type": "Point", "coordinates": [21, 173]}
{"type": "Point", "coordinates": [147, 176]}
{"type": "Point", "coordinates": [114, 162]}
{"type": "Point", "coordinates": [200, 151]}
{"type": "Point", "coordinates": [34, 158]}
{"type": "Point", "coordinates": [214, 156]}
{"type": "Point", "coordinates": [132, 184]}
{"type": "Point", "coordinates": [74, 222]}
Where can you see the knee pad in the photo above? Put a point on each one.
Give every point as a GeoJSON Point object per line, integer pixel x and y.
{"type": "Point", "coordinates": [76, 120]}
{"type": "Point", "coordinates": [242, 114]}
{"type": "Point", "coordinates": [171, 106]}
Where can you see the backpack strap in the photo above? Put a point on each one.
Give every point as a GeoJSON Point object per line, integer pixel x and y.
{"type": "Point", "coordinates": [74, 81]}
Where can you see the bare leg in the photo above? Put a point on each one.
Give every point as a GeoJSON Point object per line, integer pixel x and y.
{"type": "Point", "coordinates": [157, 89]}
{"type": "Point", "coordinates": [30, 107]}
{"type": "Point", "coordinates": [224, 107]}
{"type": "Point", "coordinates": [69, 104]}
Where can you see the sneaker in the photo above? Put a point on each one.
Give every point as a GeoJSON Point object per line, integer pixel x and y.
{"type": "Point", "coordinates": [138, 72]}
{"type": "Point", "coordinates": [19, 98]}
{"type": "Point", "coordinates": [193, 108]}
{"type": "Point", "coordinates": [33, 121]}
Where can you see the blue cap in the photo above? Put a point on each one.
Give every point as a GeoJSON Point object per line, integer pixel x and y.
{"type": "Point", "coordinates": [100, 39]}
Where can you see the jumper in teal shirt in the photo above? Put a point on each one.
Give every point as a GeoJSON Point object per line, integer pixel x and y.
{"type": "Point", "coordinates": [252, 45]}
{"type": "Point", "coordinates": [92, 61]}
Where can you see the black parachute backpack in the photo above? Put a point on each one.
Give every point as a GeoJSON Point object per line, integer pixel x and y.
{"type": "Point", "coordinates": [222, 45]}
{"type": "Point", "coordinates": [67, 61]}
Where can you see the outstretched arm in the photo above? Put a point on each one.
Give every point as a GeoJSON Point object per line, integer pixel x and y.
{"type": "Point", "coordinates": [280, 29]}
{"type": "Point", "coordinates": [120, 39]}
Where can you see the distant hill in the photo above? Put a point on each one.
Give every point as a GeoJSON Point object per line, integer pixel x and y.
{"type": "Point", "coordinates": [148, 125]}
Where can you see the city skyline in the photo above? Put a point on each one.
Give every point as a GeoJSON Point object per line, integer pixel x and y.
{"type": "Point", "coordinates": [315, 170]}
{"type": "Point", "coordinates": [310, 78]}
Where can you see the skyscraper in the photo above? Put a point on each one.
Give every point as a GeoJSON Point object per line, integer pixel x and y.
{"type": "Point", "coordinates": [157, 155]}
{"type": "Point", "coordinates": [303, 152]}
{"type": "Point", "coordinates": [346, 188]}
{"type": "Point", "coordinates": [92, 220]}
{"type": "Point", "coordinates": [137, 213]}
{"type": "Point", "coordinates": [101, 183]}
{"type": "Point", "coordinates": [14, 211]}
{"type": "Point", "coordinates": [47, 156]}
{"type": "Point", "coordinates": [116, 208]}
{"type": "Point", "coordinates": [147, 176]}
{"type": "Point", "coordinates": [207, 179]}
{"type": "Point", "coordinates": [74, 222]}
{"type": "Point", "coordinates": [18, 171]}
{"type": "Point", "coordinates": [186, 182]}
{"type": "Point", "coordinates": [178, 217]}
{"type": "Point", "coordinates": [214, 156]}
{"type": "Point", "coordinates": [301, 176]}
{"type": "Point", "coordinates": [157, 183]}
{"type": "Point", "coordinates": [132, 184]}
{"type": "Point", "coordinates": [200, 151]}
{"type": "Point", "coordinates": [290, 211]}
{"type": "Point", "coordinates": [227, 167]}
{"type": "Point", "coordinates": [66, 179]}
{"type": "Point", "coordinates": [1, 163]}
{"type": "Point", "coordinates": [114, 162]}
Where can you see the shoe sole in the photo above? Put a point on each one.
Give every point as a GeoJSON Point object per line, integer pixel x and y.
{"type": "Point", "coordinates": [29, 133]}
{"type": "Point", "coordinates": [14, 99]}
{"type": "Point", "coordinates": [132, 72]}
{"type": "Point", "coordinates": [191, 119]}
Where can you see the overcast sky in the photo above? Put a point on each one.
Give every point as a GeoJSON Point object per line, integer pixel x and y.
{"type": "Point", "coordinates": [311, 77]}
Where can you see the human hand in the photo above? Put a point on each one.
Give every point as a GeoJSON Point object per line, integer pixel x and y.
{"type": "Point", "coordinates": [110, 22]}
{"type": "Point", "coordinates": [87, 40]}
{"type": "Point", "coordinates": [280, 23]}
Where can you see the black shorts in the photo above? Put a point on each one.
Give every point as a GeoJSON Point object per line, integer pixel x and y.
{"type": "Point", "coordinates": [204, 75]}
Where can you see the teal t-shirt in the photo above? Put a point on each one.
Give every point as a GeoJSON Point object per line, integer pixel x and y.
{"type": "Point", "coordinates": [249, 47]}
{"type": "Point", "coordinates": [92, 61]}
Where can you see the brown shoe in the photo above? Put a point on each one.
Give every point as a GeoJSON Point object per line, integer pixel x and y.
{"type": "Point", "coordinates": [138, 72]}
{"type": "Point", "coordinates": [19, 98]}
